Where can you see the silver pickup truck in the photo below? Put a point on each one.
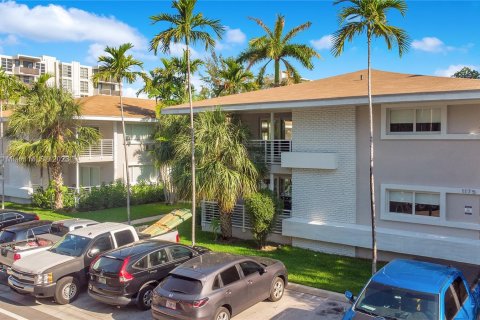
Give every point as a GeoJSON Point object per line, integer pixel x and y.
{"type": "Point", "coordinates": [32, 243]}
{"type": "Point", "coordinates": [62, 270]}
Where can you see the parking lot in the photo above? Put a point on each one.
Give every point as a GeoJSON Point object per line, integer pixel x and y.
{"type": "Point", "coordinates": [294, 305]}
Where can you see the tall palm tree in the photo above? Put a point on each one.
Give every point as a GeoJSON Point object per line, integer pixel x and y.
{"type": "Point", "coordinates": [46, 130]}
{"type": "Point", "coordinates": [186, 27]}
{"type": "Point", "coordinates": [118, 65]}
{"type": "Point", "coordinates": [225, 171]}
{"type": "Point", "coordinates": [230, 78]}
{"type": "Point", "coordinates": [277, 47]}
{"type": "Point", "coordinates": [370, 17]}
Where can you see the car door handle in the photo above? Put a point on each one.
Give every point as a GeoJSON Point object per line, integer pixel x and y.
{"type": "Point", "coordinates": [228, 292]}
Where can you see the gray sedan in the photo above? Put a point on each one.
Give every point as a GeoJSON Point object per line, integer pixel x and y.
{"type": "Point", "coordinates": [218, 286]}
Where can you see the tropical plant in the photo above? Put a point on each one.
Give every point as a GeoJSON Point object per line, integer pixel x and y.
{"type": "Point", "coordinates": [277, 47]}
{"type": "Point", "coordinates": [227, 76]}
{"type": "Point", "coordinates": [370, 17]}
{"type": "Point", "coordinates": [260, 206]}
{"type": "Point", "coordinates": [467, 73]}
{"type": "Point", "coordinates": [46, 131]}
{"type": "Point", "coordinates": [118, 65]}
{"type": "Point", "coordinates": [224, 169]}
{"type": "Point", "coordinates": [187, 28]}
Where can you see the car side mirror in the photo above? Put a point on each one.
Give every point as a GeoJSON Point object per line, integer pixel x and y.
{"type": "Point", "coordinates": [93, 252]}
{"type": "Point", "coordinates": [350, 297]}
{"type": "Point", "coordinates": [263, 270]}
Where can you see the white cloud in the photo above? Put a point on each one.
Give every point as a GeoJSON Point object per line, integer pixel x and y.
{"type": "Point", "coordinates": [448, 72]}
{"type": "Point", "coordinates": [235, 36]}
{"type": "Point", "coordinates": [324, 43]}
{"type": "Point", "coordinates": [131, 92]}
{"type": "Point", "coordinates": [9, 40]}
{"type": "Point", "coordinates": [431, 44]}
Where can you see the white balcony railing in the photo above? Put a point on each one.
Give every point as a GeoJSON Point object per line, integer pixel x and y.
{"type": "Point", "coordinates": [240, 218]}
{"type": "Point", "coordinates": [103, 150]}
{"type": "Point", "coordinates": [270, 151]}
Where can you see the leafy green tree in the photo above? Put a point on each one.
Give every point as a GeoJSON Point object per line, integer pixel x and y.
{"type": "Point", "coordinates": [119, 66]}
{"type": "Point", "coordinates": [224, 169]}
{"type": "Point", "coordinates": [370, 17]}
{"type": "Point", "coordinates": [277, 47]}
{"type": "Point", "coordinates": [467, 73]}
{"type": "Point", "coordinates": [262, 211]}
{"type": "Point", "coordinates": [188, 28]}
{"type": "Point", "coordinates": [45, 131]}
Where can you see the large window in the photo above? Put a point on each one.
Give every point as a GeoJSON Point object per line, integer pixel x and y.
{"type": "Point", "coordinates": [67, 84]}
{"type": "Point", "coordinates": [7, 64]}
{"type": "Point", "coordinates": [414, 203]}
{"type": "Point", "coordinates": [84, 86]}
{"type": "Point", "coordinates": [418, 120]}
{"type": "Point", "coordinates": [66, 70]}
{"type": "Point", "coordinates": [89, 176]}
{"type": "Point", "coordinates": [138, 132]}
{"type": "Point", "coordinates": [83, 73]}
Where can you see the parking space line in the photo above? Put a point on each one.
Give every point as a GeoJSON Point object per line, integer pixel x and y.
{"type": "Point", "coordinates": [12, 315]}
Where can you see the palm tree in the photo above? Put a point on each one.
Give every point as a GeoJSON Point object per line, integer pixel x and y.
{"type": "Point", "coordinates": [276, 47]}
{"type": "Point", "coordinates": [117, 65]}
{"type": "Point", "coordinates": [186, 27]}
{"type": "Point", "coordinates": [225, 171]}
{"type": "Point", "coordinates": [370, 17]}
{"type": "Point", "coordinates": [46, 130]}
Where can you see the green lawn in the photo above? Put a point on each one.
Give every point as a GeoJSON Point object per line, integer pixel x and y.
{"type": "Point", "coordinates": [113, 215]}
{"type": "Point", "coordinates": [319, 270]}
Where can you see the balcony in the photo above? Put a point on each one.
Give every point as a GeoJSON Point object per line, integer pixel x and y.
{"type": "Point", "coordinates": [27, 71]}
{"type": "Point", "coordinates": [269, 151]}
{"type": "Point", "coordinates": [101, 151]}
{"type": "Point", "coordinates": [106, 92]}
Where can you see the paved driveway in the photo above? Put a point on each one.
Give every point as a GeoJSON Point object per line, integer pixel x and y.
{"type": "Point", "coordinates": [294, 305]}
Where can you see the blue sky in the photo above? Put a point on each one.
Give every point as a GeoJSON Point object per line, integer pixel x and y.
{"type": "Point", "coordinates": [444, 34]}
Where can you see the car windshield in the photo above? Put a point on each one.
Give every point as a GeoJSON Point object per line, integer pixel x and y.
{"type": "Point", "coordinates": [181, 284]}
{"type": "Point", "coordinates": [58, 229]}
{"type": "Point", "coordinates": [390, 302]}
{"type": "Point", "coordinates": [7, 236]}
{"type": "Point", "coordinates": [108, 265]}
{"type": "Point", "coordinates": [71, 245]}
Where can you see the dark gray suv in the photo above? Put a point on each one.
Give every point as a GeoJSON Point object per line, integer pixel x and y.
{"type": "Point", "coordinates": [218, 286]}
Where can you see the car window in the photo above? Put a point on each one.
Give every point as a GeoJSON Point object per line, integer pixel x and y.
{"type": "Point", "coordinates": [104, 243]}
{"type": "Point", "coordinates": [460, 290]}
{"type": "Point", "coordinates": [123, 237]}
{"type": "Point", "coordinates": [451, 304]}
{"type": "Point", "coordinates": [216, 283]}
{"type": "Point", "coordinates": [71, 245]}
{"type": "Point", "coordinates": [230, 276]}
{"type": "Point", "coordinates": [179, 252]}
{"type": "Point", "coordinates": [175, 283]}
{"type": "Point", "coordinates": [158, 258]}
{"type": "Point", "coordinates": [41, 229]}
{"type": "Point", "coordinates": [142, 263]}
{"type": "Point", "coordinates": [7, 236]}
{"type": "Point", "coordinates": [249, 267]}
{"type": "Point", "coordinates": [108, 265]}
{"type": "Point", "coordinates": [9, 216]}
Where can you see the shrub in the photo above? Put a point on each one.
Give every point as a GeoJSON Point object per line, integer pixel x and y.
{"type": "Point", "coordinates": [144, 192]}
{"type": "Point", "coordinates": [43, 198]}
{"type": "Point", "coordinates": [261, 209]}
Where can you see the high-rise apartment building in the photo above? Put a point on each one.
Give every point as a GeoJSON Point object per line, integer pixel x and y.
{"type": "Point", "coordinates": [72, 76]}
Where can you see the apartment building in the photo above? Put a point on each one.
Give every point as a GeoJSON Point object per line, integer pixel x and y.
{"type": "Point", "coordinates": [72, 76]}
{"type": "Point", "coordinates": [315, 139]}
{"type": "Point", "coordinates": [102, 162]}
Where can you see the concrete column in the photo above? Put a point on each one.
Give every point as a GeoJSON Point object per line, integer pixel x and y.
{"type": "Point", "coordinates": [272, 146]}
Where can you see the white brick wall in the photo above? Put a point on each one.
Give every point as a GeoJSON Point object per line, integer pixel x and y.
{"type": "Point", "coordinates": [325, 195]}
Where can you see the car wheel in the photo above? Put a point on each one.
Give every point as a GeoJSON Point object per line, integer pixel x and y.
{"type": "Point", "coordinates": [144, 298]}
{"type": "Point", "coordinates": [222, 314]}
{"type": "Point", "coordinates": [67, 290]}
{"type": "Point", "coordinates": [277, 289]}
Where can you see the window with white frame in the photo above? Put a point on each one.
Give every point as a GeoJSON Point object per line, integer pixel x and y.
{"type": "Point", "coordinates": [83, 73]}
{"type": "Point", "coordinates": [66, 70]}
{"type": "Point", "coordinates": [416, 203]}
{"type": "Point", "coordinates": [67, 84]}
{"type": "Point", "coordinates": [7, 64]}
{"type": "Point", "coordinates": [414, 120]}
{"type": "Point", "coordinates": [40, 66]}
{"type": "Point", "coordinates": [140, 173]}
{"type": "Point", "coordinates": [89, 176]}
{"type": "Point", "coordinates": [138, 132]}
{"type": "Point", "coordinates": [83, 86]}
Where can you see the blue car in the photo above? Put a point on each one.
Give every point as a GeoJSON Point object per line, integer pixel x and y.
{"type": "Point", "coordinates": [415, 290]}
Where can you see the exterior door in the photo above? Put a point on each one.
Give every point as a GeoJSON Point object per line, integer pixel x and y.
{"type": "Point", "coordinates": [159, 265]}
{"type": "Point", "coordinates": [256, 282]}
{"type": "Point", "coordinates": [234, 289]}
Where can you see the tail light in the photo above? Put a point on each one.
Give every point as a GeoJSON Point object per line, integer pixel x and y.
{"type": "Point", "coordinates": [200, 303]}
{"type": "Point", "coordinates": [17, 256]}
{"type": "Point", "coordinates": [123, 275]}
{"type": "Point", "coordinates": [177, 238]}
{"type": "Point", "coordinates": [36, 217]}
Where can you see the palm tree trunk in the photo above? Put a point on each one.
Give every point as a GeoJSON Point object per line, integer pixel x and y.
{"type": "Point", "coordinates": [277, 73]}
{"type": "Point", "coordinates": [127, 175]}
{"type": "Point", "coordinates": [226, 225]}
{"type": "Point", "coordinates": [192, 132]}
{"type": "Point", "coordinates": [372, 180]}
{"type": "Point", "coordinates": [58, 184]}
{"type": "Point", "coordinates": [168, 188]}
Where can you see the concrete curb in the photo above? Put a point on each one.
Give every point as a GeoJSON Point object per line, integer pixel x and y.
{"type": "Point", "coordinates": [316, 292]}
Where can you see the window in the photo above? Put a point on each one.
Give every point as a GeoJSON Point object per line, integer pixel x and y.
{"type": "Point", "coordinates": [420, 120]}
{"type": "Point", "coordinates": [177, 283]}
{"type": "Point", "coordinates": [104, 243]}
{"type": "Point", "coordinates": [83, 86]}
{"type": "Point", "coordinates": [230, 276]}
{"type": "Point", "coordinates": [9, 216]}
{"type": "Point", "coordinates": [216, 283]}
{"type": "Point", "coordinates": [249, 267]}
{"type": "Point", "coordinates": [138, 132]}
{"type": "Point", "coordinates": [83, 73]}
{"type": "Point", "coordinates": [158, 258]}
{"type": "Point", "coordinates": [7, 64]}
{"type": "Point", "coordinates": [41, 229]}
{"type": "Point", "coordinates": [414, 203]}
{"type": "Point", "coordinates": [142, 173]}
{"type": "Point", "coordinates": [67, 84]}
{"type": "Point", "coordinates": [142, 263]}
{"type": "Point", "coordinates": [178, 252]}
{"type": "Point", "coordinates": [460, 290]}
{"type": "Point", "coordinates": [451, 304]}
{"type": "Point", "coordinates": [123, 237]}
{"type": "Point", "coordinates": [27, 64]}
{"type": "Point", "coordinates": [66, 71]}
{"type": "Point", "coordinates": [89, 176]}
{"type": "Point", "coordinates": [40, 66]}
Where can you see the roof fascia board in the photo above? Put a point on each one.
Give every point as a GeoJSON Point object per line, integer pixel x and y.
{"type": "Point", "coordinates": [106, 118]}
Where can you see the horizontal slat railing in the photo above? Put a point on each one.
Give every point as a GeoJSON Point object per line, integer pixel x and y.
{"type": "Point", "coordinates": [270, 151]}
{"type": "Point", "coordinates": [240, 218]}
{"type": "Point", "coordinates": [102, 149]}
